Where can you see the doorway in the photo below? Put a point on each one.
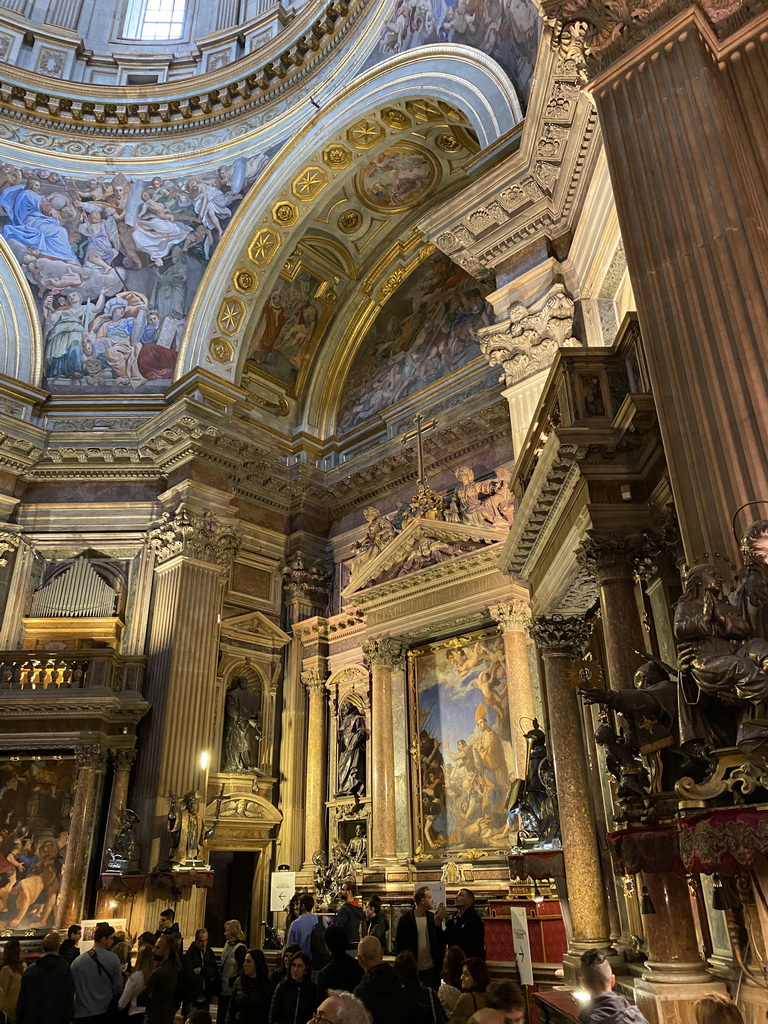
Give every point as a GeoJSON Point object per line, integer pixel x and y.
{"type": "Point", "coordinates": [231, 894]}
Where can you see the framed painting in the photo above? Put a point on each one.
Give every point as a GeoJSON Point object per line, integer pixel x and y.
{"type": "Point", "coordinates": [36, 795]}
{"type": "Point", "coordinates": [461, 740]}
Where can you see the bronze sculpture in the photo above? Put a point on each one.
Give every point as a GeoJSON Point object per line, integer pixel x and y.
{"type": "Point", "coordinates": [352, 739]}
{"type": "Point", "coordinates": [242, 728]}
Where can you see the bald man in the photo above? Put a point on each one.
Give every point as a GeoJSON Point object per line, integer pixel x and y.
{"type": "Point", "coordinates": [380, 990]}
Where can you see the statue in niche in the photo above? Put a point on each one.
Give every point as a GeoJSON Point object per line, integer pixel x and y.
{"type": "Point", "coordinates": [352, 739]}
{"type": "Point", "coordinates": [188, 834]}
{"type": "Point", "coordinates": [242, 728]}
{"type": "Point", "coordinates": [123, 856]}
{"type": "Point", "coordinates": [358, 847]}
{"type": "Point", "coordinates": [489, 503]}
{"type": "Point", "coordinates": [380, 532]}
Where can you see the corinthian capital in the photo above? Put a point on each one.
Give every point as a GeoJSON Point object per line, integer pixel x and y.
{"type": "Point", "coordinates": [194, 535]}
{"type": "Point", "coordinates": [9, 541]}
{"type": "Point", "coordinates": [528, 340]}
{"type": "Point", "coordinates": [609, 556]}
{"type": "Point", "coordinates": [314, 681]}
{"type": "Point", "coordinates": [386, 651]}
{"type": "Point", "coordinates": [306, 577]}
{"type": "Point", "coordinates": [91, 755]}
{"type": "Point", "coordinates": [512, 616]}
{"type": "Point", "coordinates": [560, 634]}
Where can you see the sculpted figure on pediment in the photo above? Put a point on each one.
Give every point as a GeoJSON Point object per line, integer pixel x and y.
{"type": "Point", "coordinates": [380, 532]}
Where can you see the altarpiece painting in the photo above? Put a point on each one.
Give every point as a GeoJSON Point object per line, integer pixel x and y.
{"type": "Point", "coordinates": [460, 721]}
{"type": "Point", "coordinates": [36, 797]}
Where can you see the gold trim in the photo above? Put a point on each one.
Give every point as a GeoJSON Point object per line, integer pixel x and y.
{"type": "Point", "coordinates": [419, 197]}
{"type": "Point", "coordinates": [285, 213]}
{"type": "Point", "coordinates": [231, 314]}
{"type": "Point", "coordinates": [263, 246]}
{"type": "Point", "coordinates": [245, 280]}
{"type": "Point", "coordinates": [221, 350]}
{"type": "Point", "coordinates": [309, 183]}
{"type": "Point", "coordinates": [366, 133]}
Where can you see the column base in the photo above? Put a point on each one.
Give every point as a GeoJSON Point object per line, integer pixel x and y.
{"type": "Point", "coordinates": [660, 1001]}
{"type": "Point", "coordinates": [693, 973]}
{"type": "Point", "coordinates": [572, 959]}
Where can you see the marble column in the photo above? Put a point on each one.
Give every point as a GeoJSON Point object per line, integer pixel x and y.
{"type": "Point", "coordinates": [193, 552]}
{"type": "Point", "coordinates": [561, 640]}
{"type": "Point", "coordinates": [681, 101]}
{"type": "Point", "coordinates": [317, 766]}
{"type": "Point", "coordinates": [514, 618]}
{"type": "Point", "coordinates": [611, 558]}
{"type": "Point", "coordinates": [118, 799]}
{"type": "Point", "coordinates": [381, 656]}
{"type": "Point", "coordinates": [91, 759]}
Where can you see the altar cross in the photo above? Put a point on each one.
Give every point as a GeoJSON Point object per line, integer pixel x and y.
{"type": "Point", "coordinates": [422, 428]}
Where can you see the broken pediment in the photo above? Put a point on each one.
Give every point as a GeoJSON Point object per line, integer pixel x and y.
{"type": "Point", "coordinates": [424, 544]}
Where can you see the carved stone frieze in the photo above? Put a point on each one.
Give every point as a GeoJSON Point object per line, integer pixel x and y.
{"type": "Point", "coordinates": [512, 616]}
{"type": "Point", "coordinates": [386, 652]}
{"type": "Point", "coordinates": [194, 535]}
{"type": "Point", "coordinates": [561, 634]}
{"type": "Point", "coordinates": [528, 340]}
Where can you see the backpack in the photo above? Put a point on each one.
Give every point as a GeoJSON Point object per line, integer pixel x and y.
{"type": "Point", "coordinates": [319, 953]}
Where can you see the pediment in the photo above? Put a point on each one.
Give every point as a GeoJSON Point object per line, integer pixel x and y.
{"type": "Point", "coordinates": [424, 547]}
{"type": "Point", "coordinates": [254, 627]}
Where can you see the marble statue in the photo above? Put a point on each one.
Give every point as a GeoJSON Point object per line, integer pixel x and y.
{"type": "Point", "coordinates": [188, 834]}
{"type": "Point", "coordinates": [123, 855]}
{"type": "Point", "coordinates": [242, 728]}
{"type": "Point", "coordinates": [489, 503]}
{"type": "Point", "coordinates": [380, 532]}
{"type": "Point", "coordinates": [352, 739]}
{"type": "Point", "coordinates": [358, 847]}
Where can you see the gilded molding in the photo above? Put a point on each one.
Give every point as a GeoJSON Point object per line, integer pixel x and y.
{"type": "Point", "coordinates": [195, 535]}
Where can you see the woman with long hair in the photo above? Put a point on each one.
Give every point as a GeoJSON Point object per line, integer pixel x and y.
{"type": "Point", "coordinates": [281, 973]}
{"type": "Point", "coordinates": [11, 969]}
{"type": "Point", "coordinates": [474, 981]}
{"type": "Point", "coordinates": [136, 982]}
{"type": "Point", "coordinates": [230, 965]}
{"type": "Point", "coordinates": [450, 978]}
{"type": "Point", "coordinates": [295, 998]}
{"type": "Point", "coordinates": [251, 993]}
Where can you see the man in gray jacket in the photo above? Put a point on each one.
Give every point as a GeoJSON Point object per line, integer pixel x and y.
{"type": "Point", "coordinates": [97, 977]}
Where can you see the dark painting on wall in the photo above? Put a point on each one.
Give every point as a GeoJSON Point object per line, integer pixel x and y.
{"type": "Point", "coordinates": [36, 797]}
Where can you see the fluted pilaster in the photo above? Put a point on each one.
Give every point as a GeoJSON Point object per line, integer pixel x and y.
{"type": "Point", "coordinates": [561, 640]}
{"type": "Point", "coordinates": [381, 656]}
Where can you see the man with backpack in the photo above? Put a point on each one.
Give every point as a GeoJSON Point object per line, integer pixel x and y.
{"type": "Point", "coordinates": [97, 977]}
{"type": "Point", "coordinates": [606, 1006]}
{"type": "Point", "coordinates": [351, 915]}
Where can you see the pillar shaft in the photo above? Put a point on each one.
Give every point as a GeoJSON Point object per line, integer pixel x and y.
{"type": "Point", "coordinates": [684, 124]}
{"type": "Point", "coordinates": [317, 766]}
{"type": "Point", "coordinates": [514, 619]}
{"type": "Point", "coordinates": [118, 798]}
{"type": "Point", "coordinates": [381, 656]}
{"type": "Point", "coordinates": [560, 640]}
{"type": "Point", "coordinates": [82, 825]}
{"type": "Point", "coordinates": [673, 949]}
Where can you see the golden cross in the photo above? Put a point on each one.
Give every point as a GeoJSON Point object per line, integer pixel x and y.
{"type": "Point", "coordinates": [422, 428]}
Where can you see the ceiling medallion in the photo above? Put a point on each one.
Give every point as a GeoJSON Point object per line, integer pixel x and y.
{"type": "Point", "coordinates": [350, 221]}
{"type": "Point", "coordinates": [395, 118]}
{"type": "Point", "coordinates": [231, 315]}
{"type": "Point", "coordinates": [284, 213]}
{"type": "Point", "coordinates": [337, 156]}
{"type": "Point", "coordinates": [245, 280]}
{"type": "Point", "coordinates": [263, 247]}
{"type": "Point", "coordinates": [365, 133]}
{"type": "Point", "coordinates": [221, 350]}
{"type": "Point", "coordinates": [397, 178]}
{"type": "Point", "coordinates": [311, 181]}
{"type": "Point", "coordinates": [448, 143]}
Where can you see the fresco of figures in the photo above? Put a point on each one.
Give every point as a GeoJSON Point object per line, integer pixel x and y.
{"type": "Point", "coordinates": [114, 263]}
{"type": "Point", "coordinates": [466, 763]}
{"type": "Point", "coordinates": [507, 30]}
{"type": "Point", "coordinates": [426, 331]}
{"type": "Point", "coordinates": [35, 807]}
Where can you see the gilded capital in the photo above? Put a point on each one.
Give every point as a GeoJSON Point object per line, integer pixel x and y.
{"type": "Point", "coordinates": [609, 556]}
{"type": "Point", "coordinates": [512, 616]}
{"type": "Point", "coordinates": [384, 652]}
{"type": "Point", "coordinates": [314, 681]}
{"type": "Point", "coordinates": [91, 755]}
{"type": "Point", "coordinates": [194, 535]}
{"type": "Point", "coordinates": [560, 634]}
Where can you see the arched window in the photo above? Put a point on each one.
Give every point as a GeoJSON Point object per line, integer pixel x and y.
{"type": "Point", "coordinates": [155, 19]}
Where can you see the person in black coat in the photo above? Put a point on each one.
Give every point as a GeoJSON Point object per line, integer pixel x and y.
{"type": "Point", "coordinates": [47, 993]}
{"type": "Point", "coordinates": [380, 991]}
{"type": "Point", "coordinates": [295, 999]}
{"type": "Point", "coordinates": [407, 936]}
{"type": "Point", "coordinates": [423, 1005]}
{"type": "Point", "coordinates": [251, 992]}
{"type": "Point", "coordinates": [342, 972]}
{"type": "Point", "coordinates": [199, 972]}
{"type": "Point", "coordinates": [466, 928]}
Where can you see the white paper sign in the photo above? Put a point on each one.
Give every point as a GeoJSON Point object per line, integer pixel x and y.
{"type": "Point", "coordinates": [521, 944]}
{"type": "Point", "coordinates": [89, 927]}
{"type": "Point", "coordinates": [438, 892]}
{"type": "Point", "coordinates": [282, 888]}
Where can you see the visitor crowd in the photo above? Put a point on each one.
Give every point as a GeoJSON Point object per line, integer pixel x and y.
{"type": "Point", "coordinates": [329, 973]}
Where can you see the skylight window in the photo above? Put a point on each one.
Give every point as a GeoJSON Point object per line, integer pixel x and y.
{"type": "Point", "coordinates": [155, 20]}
